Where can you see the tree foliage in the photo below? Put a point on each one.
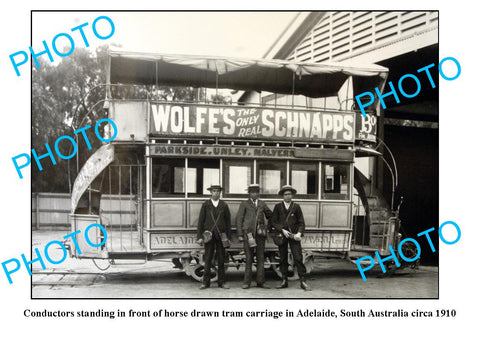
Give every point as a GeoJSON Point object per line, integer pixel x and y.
{"type": "Point", "coordinates": [63, 99]}
{"type": "Point", "coordinates": [70, 95]}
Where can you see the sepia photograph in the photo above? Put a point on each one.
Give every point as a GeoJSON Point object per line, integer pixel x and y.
{"type": "Point", "coordinates": [234, 155]}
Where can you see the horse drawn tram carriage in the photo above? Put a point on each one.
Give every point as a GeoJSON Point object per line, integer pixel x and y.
{"type": "Point", "coordinates": [147, 186]}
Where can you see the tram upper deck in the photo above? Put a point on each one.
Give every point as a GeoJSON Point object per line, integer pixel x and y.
{"type": "Point", "coordinates": [292, 107]}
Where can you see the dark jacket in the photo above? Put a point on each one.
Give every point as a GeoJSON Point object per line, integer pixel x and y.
{"type": "Point", "coordinates": [206, 221]}
{"type": "Point", "coordinates": [249, 216]}
{"type": "Point", "coordinates": [295, 221]}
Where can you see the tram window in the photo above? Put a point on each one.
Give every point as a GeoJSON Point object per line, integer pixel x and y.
{"type": "Point", "coordinates": [237, 177]}
{"type": "Point", "coordinates": [271, 176]}
{"type": "Point", "coordinates": [205, 172]}
{"type": "Point", "coordinates": [167, 176]}
{"type": "Point", "coordinates": [210, 176]}
{"type": "Point", "coordinates": [179, 180]}
{"type": "Point", "coordinates": [303, 177]}
{"type": "Point", "coordinates": [336, 180]}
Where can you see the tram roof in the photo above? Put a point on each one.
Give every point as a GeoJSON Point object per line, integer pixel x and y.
{"type": "Point", "coordinates": [311, 80]}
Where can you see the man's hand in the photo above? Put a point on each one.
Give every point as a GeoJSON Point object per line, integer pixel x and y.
{"type": "Point", "coordinates": [200, 241]}
{"type": "Point", "coordinates": [240, 237]}
{"type": "Point", "coordinates": [297, 237]}
{"type": "Point", "coordinates": [286, 233]}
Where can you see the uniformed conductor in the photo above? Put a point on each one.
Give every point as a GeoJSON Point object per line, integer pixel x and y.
{"type": "Point", "coordinates": [250, 222]}
{"type": "Point", "coordinates": [214, 217]}
{"type": "Point", "coordinates": [287, 218]}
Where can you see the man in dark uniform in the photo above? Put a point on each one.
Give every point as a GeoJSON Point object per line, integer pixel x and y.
{"type": "Point", "coordinates": [287, 218]}
{"type": "Point", "coordinates": [250, 222]}
{"type": "Point", "coordinates": [214, 217]}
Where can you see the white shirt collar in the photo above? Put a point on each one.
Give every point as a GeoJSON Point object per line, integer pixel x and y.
{"type": "Point", "coordinates": [215, 203]}
{"type": "Point", "coordinates": [287, 205]}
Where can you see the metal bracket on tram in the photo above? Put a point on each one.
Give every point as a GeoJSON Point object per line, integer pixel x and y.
{"type": "Point", "coordinates": [110, 262]}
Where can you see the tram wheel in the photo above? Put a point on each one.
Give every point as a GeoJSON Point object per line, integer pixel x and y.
{"type": "Point", "coordinates": [390, 269]}
{"type": "Point", "coordinates": [194, 267]}
{"type": "Point", "coordinates": [199, 271]}
{"type": "Point", "coordinates": [177, 263]}
{"type": "Point", "coordinates": [409, 251]}
{"type": "Point", "coordinates": [308, 262]}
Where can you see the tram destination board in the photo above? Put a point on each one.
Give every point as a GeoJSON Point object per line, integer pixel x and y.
{"type": "Point", "coordinates": [175, 150]}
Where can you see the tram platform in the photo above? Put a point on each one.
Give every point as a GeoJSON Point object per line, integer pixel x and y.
{"type": "Point", "coordinates": [331, 278]}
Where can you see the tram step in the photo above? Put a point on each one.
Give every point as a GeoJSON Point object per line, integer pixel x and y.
{"type": "Point", "coordinates": [372, 201]}
{"type": "Point", "coordinates": [134, 255]}
{"type": "Point", "coordinates": [378, 228]}
{"type": "Point", "coordinates": [380, 214]}
{"type": "Point", "coordinates": [375, 202]}
{"type": "Point", "coordinates": [378, 242]}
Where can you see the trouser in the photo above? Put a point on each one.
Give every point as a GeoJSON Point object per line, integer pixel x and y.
{"type": "Point", "coordinates": [211, 248]}
{"type": "Point", "coordinates": [296, 248]}
{"type": "Point", "coordinates": [249, 252]}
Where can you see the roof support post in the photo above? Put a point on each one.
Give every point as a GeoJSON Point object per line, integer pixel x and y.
{"type": "Point", "coordinates": [293, 89]}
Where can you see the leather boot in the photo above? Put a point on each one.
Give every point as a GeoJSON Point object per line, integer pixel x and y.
{"type": "Point", "coordinates": [283, 284]}
{"type": "Point", "coordinates": [263, 285]}
{"type": "Point", "coordinates": [304, 286]}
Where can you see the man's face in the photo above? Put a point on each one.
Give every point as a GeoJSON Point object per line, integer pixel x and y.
{"type": "Point", "coordinates": [287, 196]}
{"type": "Point", "coordinates": [215, 194]}
{"type": "Point", "coordinates": [254, 194]}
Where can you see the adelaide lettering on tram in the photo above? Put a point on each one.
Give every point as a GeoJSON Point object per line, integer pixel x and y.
{"type": "Point", "coordinates": [172, 240]}
{"type": "Point", "coordinates": [316, 240]}
{"type": "Point", "coordinates": [253, 123]}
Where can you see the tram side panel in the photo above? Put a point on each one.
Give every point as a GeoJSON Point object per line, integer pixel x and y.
{"type": "Point", "coordinates": [174, 225]}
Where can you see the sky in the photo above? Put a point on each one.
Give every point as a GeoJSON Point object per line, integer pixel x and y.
{"type": "Point", "coordinates": [230, 34]}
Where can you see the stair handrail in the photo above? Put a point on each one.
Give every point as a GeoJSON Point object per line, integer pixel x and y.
{"type": "Point", "coordinates": [393, 180]}
{"type": "Point", "coordinates": [391, 155]}
{"type": "Point", "coordinates": [394, 172]}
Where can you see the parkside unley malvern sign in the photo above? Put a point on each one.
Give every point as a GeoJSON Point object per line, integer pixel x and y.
{"type": "Point", "coordinates": [251, 123]}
